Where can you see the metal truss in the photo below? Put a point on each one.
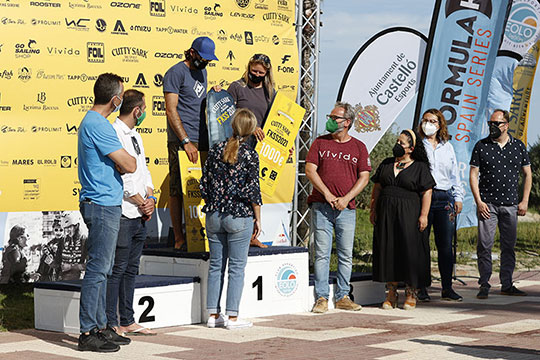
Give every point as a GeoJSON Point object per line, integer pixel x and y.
{"type": "Point", "coordinates": [307, 33]}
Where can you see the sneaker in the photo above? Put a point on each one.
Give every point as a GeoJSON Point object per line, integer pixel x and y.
{"type": "Point", "coordinates": [238, 324]}
{"type": "Point", "coordinates": [483, 293]}
{"type": "Point", "coordinates": [218, 322]}
{"type": "Point", "coordinates": [95, 341]}
{"type": "Point", "coordinates": [451, 295]}
{"type": "Point", "coordinates": [423, 295]}
{"type": "Point", "coordinates": [513, 291]}
{"type": "Point", "coordinates": [345, 303]}
{"type": "Point", "coordinates": [111, 335]}
{"type": "Point", "coordinates": [321, 306]}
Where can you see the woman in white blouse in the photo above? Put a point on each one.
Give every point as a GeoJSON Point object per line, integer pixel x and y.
{"type": "Point", "coordinates": [447, 198]}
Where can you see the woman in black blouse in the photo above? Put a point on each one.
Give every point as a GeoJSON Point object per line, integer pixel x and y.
{"type": "Point", "coordinates": [399, 210]}
{"type": "Point", "coordinates": [230, 189]}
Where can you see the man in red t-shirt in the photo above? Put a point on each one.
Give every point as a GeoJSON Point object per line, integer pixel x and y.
{"type": "Point", "coordinates": [338, 167]}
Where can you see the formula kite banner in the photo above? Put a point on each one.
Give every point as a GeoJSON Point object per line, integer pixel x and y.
{"type": "Point", "coordinates": [523, 83]}
{"type": "Point", "coordinates": [464, 39]}
{"type": "Point", "coordinates": [195, 219]}
{"type": "Point", "coordinates": [381, 79]}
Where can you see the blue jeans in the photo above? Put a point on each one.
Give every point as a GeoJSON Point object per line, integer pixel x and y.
{"type": "Point", "coordinates": [228, 238]}
{"type": "Point", "coordinates": [441, 217]}
{"type": "Point", "coordinates": [327, 221]}
{"type": "Point", "coordinates": [121, 283]}
{"type": "Point", "coordinates": [103, 223]}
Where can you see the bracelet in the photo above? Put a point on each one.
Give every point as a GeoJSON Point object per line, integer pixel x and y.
{"type": "Point", "coordinates": [153, 198]}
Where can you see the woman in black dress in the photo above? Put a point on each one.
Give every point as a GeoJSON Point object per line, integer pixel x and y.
{"type": "Point", "coordinates": [399, 212]}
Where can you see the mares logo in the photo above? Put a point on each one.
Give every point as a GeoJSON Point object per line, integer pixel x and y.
{"type": "Point", "coordinates": [158, 106]}
{"type": "Point", "coordinates": [286, 280]}
{"type": "Point", "coordinates": [95, 52]}
{"type": "Point", "coordinates": [157, 8]}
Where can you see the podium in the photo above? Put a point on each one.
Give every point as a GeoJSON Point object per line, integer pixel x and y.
{"type": "Point", "coordinates": [276, 278]}
{"type": "Point", "coordinates": [159, 301]}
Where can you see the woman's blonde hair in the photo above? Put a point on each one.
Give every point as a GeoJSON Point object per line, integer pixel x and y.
{"type": "Point", "coordinates": [264, 61]}
{"type": "Point", "coordinates": [243, 125]}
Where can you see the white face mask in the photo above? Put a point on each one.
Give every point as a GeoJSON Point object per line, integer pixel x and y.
{"type": "Point", "coordinates": [429, 128]}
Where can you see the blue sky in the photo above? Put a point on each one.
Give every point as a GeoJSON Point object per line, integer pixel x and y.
{"type": "Point", "coordinates": [348, 24]}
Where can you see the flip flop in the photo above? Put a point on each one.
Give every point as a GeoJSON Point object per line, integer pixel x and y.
{"type": "Point", "coordinates": [140, 332]}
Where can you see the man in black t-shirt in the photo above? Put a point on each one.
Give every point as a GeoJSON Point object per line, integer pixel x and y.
{"type": "Point", "coordinates": [498, 159]}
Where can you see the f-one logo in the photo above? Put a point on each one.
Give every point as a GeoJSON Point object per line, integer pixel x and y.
{"type": "Point", "coordinates": [95, 52]}
{"type": "Point", "coordinates": [158, 105]}
{"type": "Point", "coordinates": [157, 8]}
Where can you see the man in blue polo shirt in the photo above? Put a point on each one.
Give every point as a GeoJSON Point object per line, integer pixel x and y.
{"type": "Point", "coordinates": [101, 162]}
{"type": "Point", "coordinates": [498, 159]}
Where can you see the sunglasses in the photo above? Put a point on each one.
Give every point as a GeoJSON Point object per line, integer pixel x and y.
{"type": "Point", "coordinates": [261, 57]}
{"type": "Point", "coordinates": [497, 123]}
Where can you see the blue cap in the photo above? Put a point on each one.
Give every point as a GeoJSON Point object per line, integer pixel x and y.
{"type": "Point", "coordinates": [205, 47]}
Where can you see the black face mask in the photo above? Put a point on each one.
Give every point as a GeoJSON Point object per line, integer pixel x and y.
{"type": "Point", "coordinates": [398, 150]}
{"type": "Point", "coordinates": [255, 79]}
{"type": "Point", "coordinates": [199, 64]}
{"type": "Point", "coordinates": [494, 131]}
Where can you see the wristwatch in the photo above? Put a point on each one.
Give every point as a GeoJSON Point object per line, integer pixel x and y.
{"type": "Point", "coordinates": [185, 141]}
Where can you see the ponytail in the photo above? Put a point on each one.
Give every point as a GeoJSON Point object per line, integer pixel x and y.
{"type": "Point", "coordinates": [243, 124]}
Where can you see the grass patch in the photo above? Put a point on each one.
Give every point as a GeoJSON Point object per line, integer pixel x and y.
{"type": "Point", "coordinates": [16, 306]}
{"type": "Point", "coordinates": [527, 245]}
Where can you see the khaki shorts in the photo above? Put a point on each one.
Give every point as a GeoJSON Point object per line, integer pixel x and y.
{"type": "Point", "coordinates": [175, 181]}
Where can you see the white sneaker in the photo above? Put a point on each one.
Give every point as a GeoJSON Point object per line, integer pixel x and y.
{"type": "Point", "coordinates": [220, 321]}
{"type": "Point", "coordinates": [239, 324]}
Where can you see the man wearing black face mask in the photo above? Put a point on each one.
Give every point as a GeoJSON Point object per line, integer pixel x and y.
{"type": "Point", "coordinates": [184, 87]}
{"type": "Point", "coordinates": [499, 158]}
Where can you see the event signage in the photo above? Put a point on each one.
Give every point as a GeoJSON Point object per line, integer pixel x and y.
{"type": "Point", "coordinates": [51, 54]}
{"type": "Point", "coordinates": [464, 40]}
{"type": "Point", "coordinates": [380, 81]}
{"type": "Point", "coordinates": [195, 218]}
{"type": "Point", "coordinates": [280, 129]}
{"type": "Point", "coordinates": [522, 86]}
{"type": "Point", "coordinates": [220, 108]}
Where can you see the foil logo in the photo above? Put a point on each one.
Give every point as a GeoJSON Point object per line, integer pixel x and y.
{"type": "Point", "coordinates": [286, 280]}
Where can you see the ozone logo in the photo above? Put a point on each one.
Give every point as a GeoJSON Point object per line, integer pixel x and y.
{"type": "Point", "coordinates": [286, 280]}
{"type": "Point", "coordinates": [522, 25]}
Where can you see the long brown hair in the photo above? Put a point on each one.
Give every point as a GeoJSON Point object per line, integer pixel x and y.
{"type": "Point", "coordinates": [442, 133]}
{"type": "Point", "coordinates": [243, 124]}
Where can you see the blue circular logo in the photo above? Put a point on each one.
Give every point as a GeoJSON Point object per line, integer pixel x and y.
{"type": "Point", "coordinates": [286, 280]}
{"type": "Point", "coordinates": [522, 24]}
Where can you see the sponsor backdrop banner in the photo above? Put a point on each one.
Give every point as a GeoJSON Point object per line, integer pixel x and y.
{"type": "Point", "coordinates": [52, 51]}
{"type": "Point", "coordinates": [381, 79]}
{"type": "Point", "coordinates": [464, 40]}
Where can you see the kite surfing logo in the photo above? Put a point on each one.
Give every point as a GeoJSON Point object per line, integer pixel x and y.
{"type": "Point", "coordinates": [286, 280]}
{"type": "Point", "coordinates": [366, 119]}
{"type": "Point", "coordinates": [522, 25]}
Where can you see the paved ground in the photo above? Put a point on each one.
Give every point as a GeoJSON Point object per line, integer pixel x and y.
{"type": "Point", "coordinates": [501, 327]}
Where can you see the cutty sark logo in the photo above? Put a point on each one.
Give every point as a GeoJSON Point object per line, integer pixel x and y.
{"type": "Point", "coordinates": [366, 119]}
